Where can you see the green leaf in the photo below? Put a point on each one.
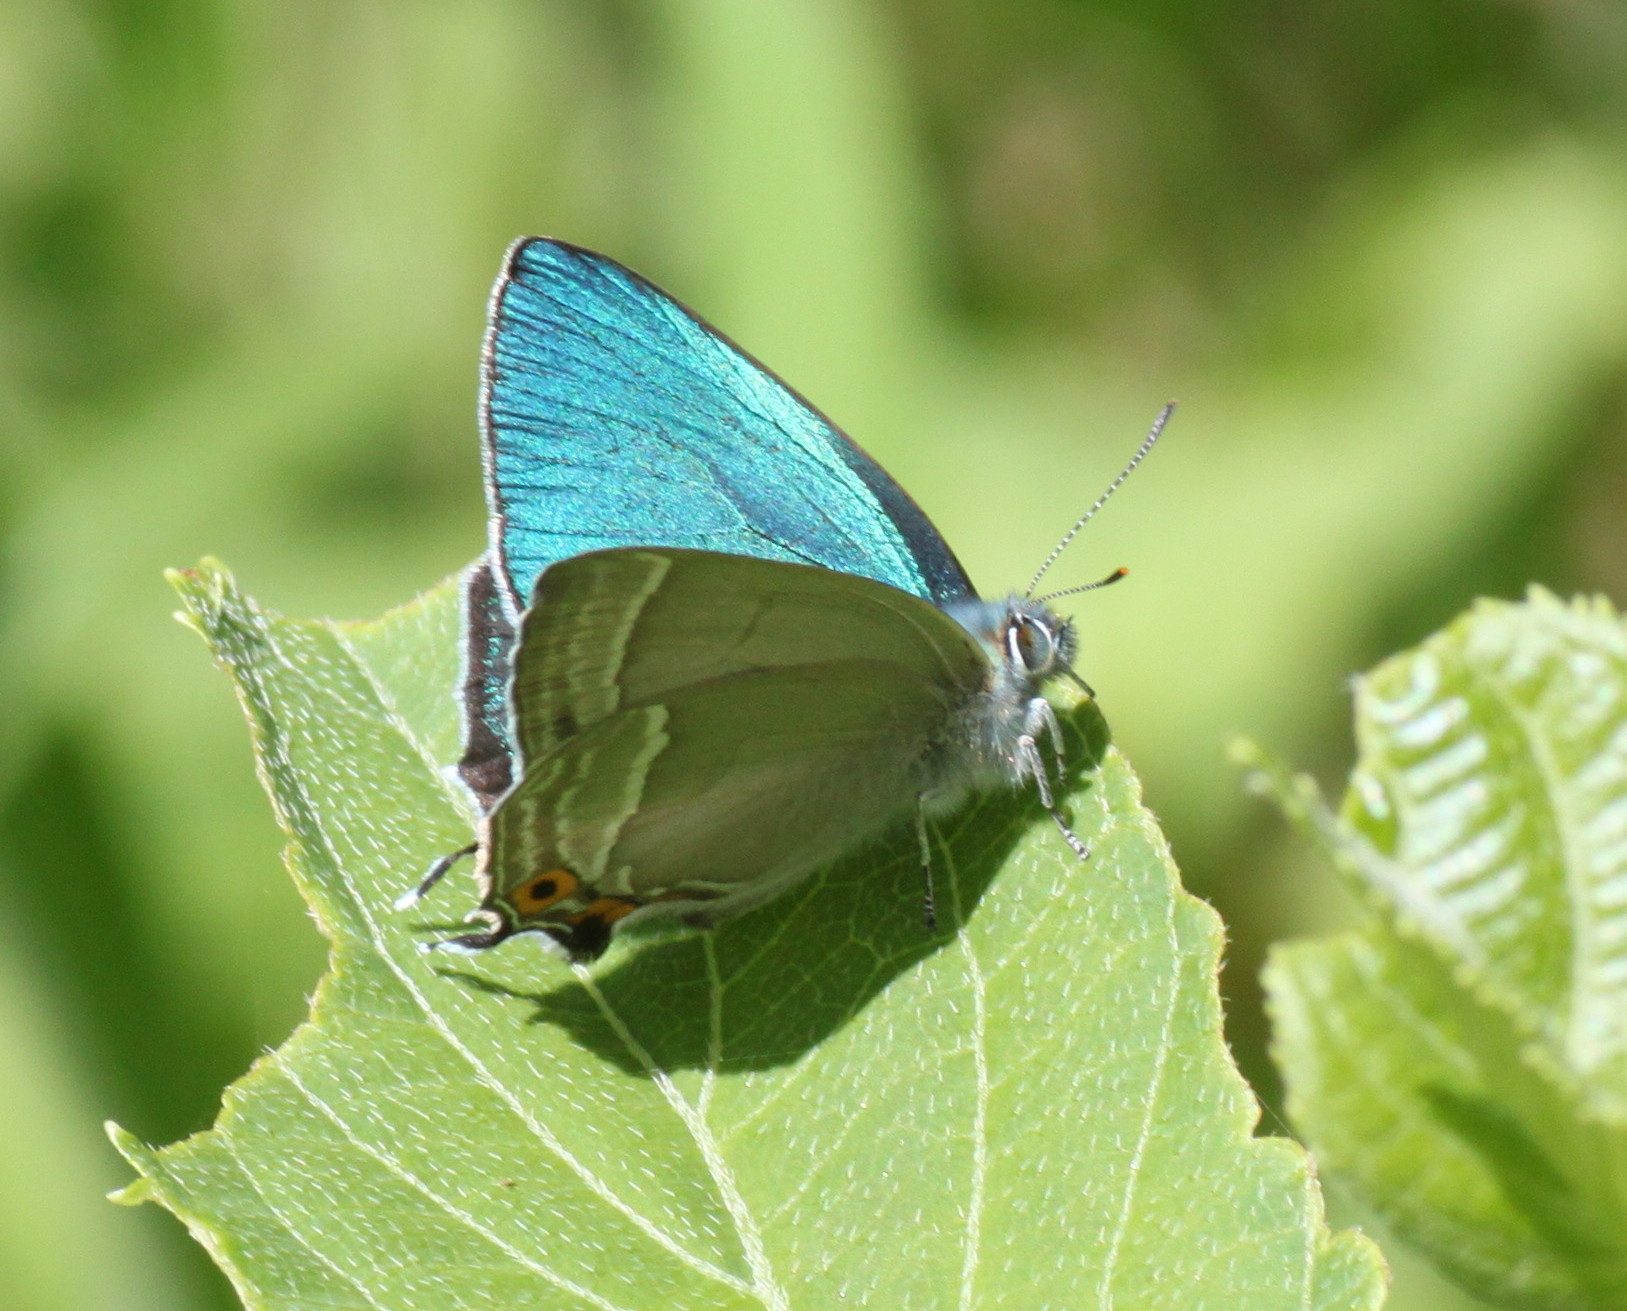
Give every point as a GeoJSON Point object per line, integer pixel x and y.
{"type": "Point", "coordinates": [1463, 1059]}
{"type": "Point", "coordinates": [818, 1105]}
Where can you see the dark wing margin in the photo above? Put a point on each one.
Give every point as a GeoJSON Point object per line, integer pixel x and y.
{"type": "Point", "coordinates": [487, 766]}
{"type": "Point", "coordinates": [613, 416]}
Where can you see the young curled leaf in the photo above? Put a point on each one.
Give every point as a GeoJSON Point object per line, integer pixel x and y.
{"type": "Point", "coordinates": [1463, 1059]}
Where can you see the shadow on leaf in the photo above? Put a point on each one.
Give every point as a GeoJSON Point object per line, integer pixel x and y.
{"type": "Point", "coordinates": [797, 969]}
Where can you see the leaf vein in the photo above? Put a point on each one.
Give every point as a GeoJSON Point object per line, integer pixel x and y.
{"type": "Point", "coordinates": [1144, 1133]}
{"type": "Point", "coordinates": [393, 717]}
{"type": "Point", "coordinates": [1573, 865]}
{"type": "Point", "coordinates": [764, 1286]}
{"type": "Point", "coordinates": [978, 1182]}
{"type": "Point", "coordinates": [407, 1177]}
{"type": "Point", "coordinates": [304, 1241]}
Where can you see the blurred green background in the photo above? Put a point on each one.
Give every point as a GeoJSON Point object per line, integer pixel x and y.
{"type": "Point", "coordinates": [1378, 250]}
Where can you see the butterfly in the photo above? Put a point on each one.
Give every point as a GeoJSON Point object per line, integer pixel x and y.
{"type": "Point", "coordinates": [711, 646]}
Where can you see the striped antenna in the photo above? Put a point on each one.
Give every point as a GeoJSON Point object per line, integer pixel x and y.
{"type": "Point", "coordinates": [1115, 576]}
{"type": "Point", "coordinates": [1088, 515]}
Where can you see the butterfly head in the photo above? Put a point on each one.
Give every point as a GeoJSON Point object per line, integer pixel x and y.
{"type": "Point", "coordinates": [1027, 643]}
{"type": "Point", "coordinates": [1037, 642]}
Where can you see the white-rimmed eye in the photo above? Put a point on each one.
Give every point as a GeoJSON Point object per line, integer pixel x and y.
{"type": "Point", "coordinates": [1030, 644]}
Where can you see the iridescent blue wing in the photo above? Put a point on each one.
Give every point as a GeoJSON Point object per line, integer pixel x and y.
{"type": "Point", "coordinates": [615, 417]}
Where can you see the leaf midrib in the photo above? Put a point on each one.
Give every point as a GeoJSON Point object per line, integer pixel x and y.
{"type": "Point", "coordinates": [978, 1182]}
{"type": "Point", "coordinates": [764, 1286]}
{"type": "Point", "coordinates": [1553, 781]}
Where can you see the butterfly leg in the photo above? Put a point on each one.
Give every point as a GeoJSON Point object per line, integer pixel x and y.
{"type": "Point", "coordinates": [499, 928]}
{"type": "Point", "coordinates": [1069, 836]}
{"type": "Point", "coordinates": [1073, 677]}
{"type": "Point", "coordinates": [407, 900]}
{"type": "Point", "coordinates": [1039, 719]}
{"type": "Point", "coordinates": [1030, 762]}
{"type": "Point", "coordinates": [1042, 717]}
{"type": "Point", "coordinates": [929, 902]}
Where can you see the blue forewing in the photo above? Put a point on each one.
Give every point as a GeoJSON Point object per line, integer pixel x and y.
{"type": "Point", "coordinates": [613, 416]}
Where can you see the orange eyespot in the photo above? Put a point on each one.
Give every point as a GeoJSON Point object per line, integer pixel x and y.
{"type": "Point", "coordinates": [542, 891]}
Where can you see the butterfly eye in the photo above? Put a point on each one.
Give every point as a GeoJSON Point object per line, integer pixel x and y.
{"type": "Point", "coordinates": [1030, 644]}
{"type": "Point", "coordinates": [539, 893]}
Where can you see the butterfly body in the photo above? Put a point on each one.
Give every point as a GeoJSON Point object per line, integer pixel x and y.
{"type": "Point", "coordinates": [712, 645]}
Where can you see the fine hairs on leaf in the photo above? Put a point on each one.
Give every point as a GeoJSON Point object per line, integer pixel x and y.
{"type": "Point", "coordinates": [1462, 1059]}
{"type": "Point", "coordinates": [819, 1105]}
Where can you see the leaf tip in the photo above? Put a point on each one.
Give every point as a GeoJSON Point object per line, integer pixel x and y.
{"type": "Point", "coordinates": [203, 589]}
{"type": "Point", "coordinates": [133, 1150]}
{"type": "Point", "coordinates": [208, 572]}
{"type": "Point", "coordinates": [121, 1138]}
